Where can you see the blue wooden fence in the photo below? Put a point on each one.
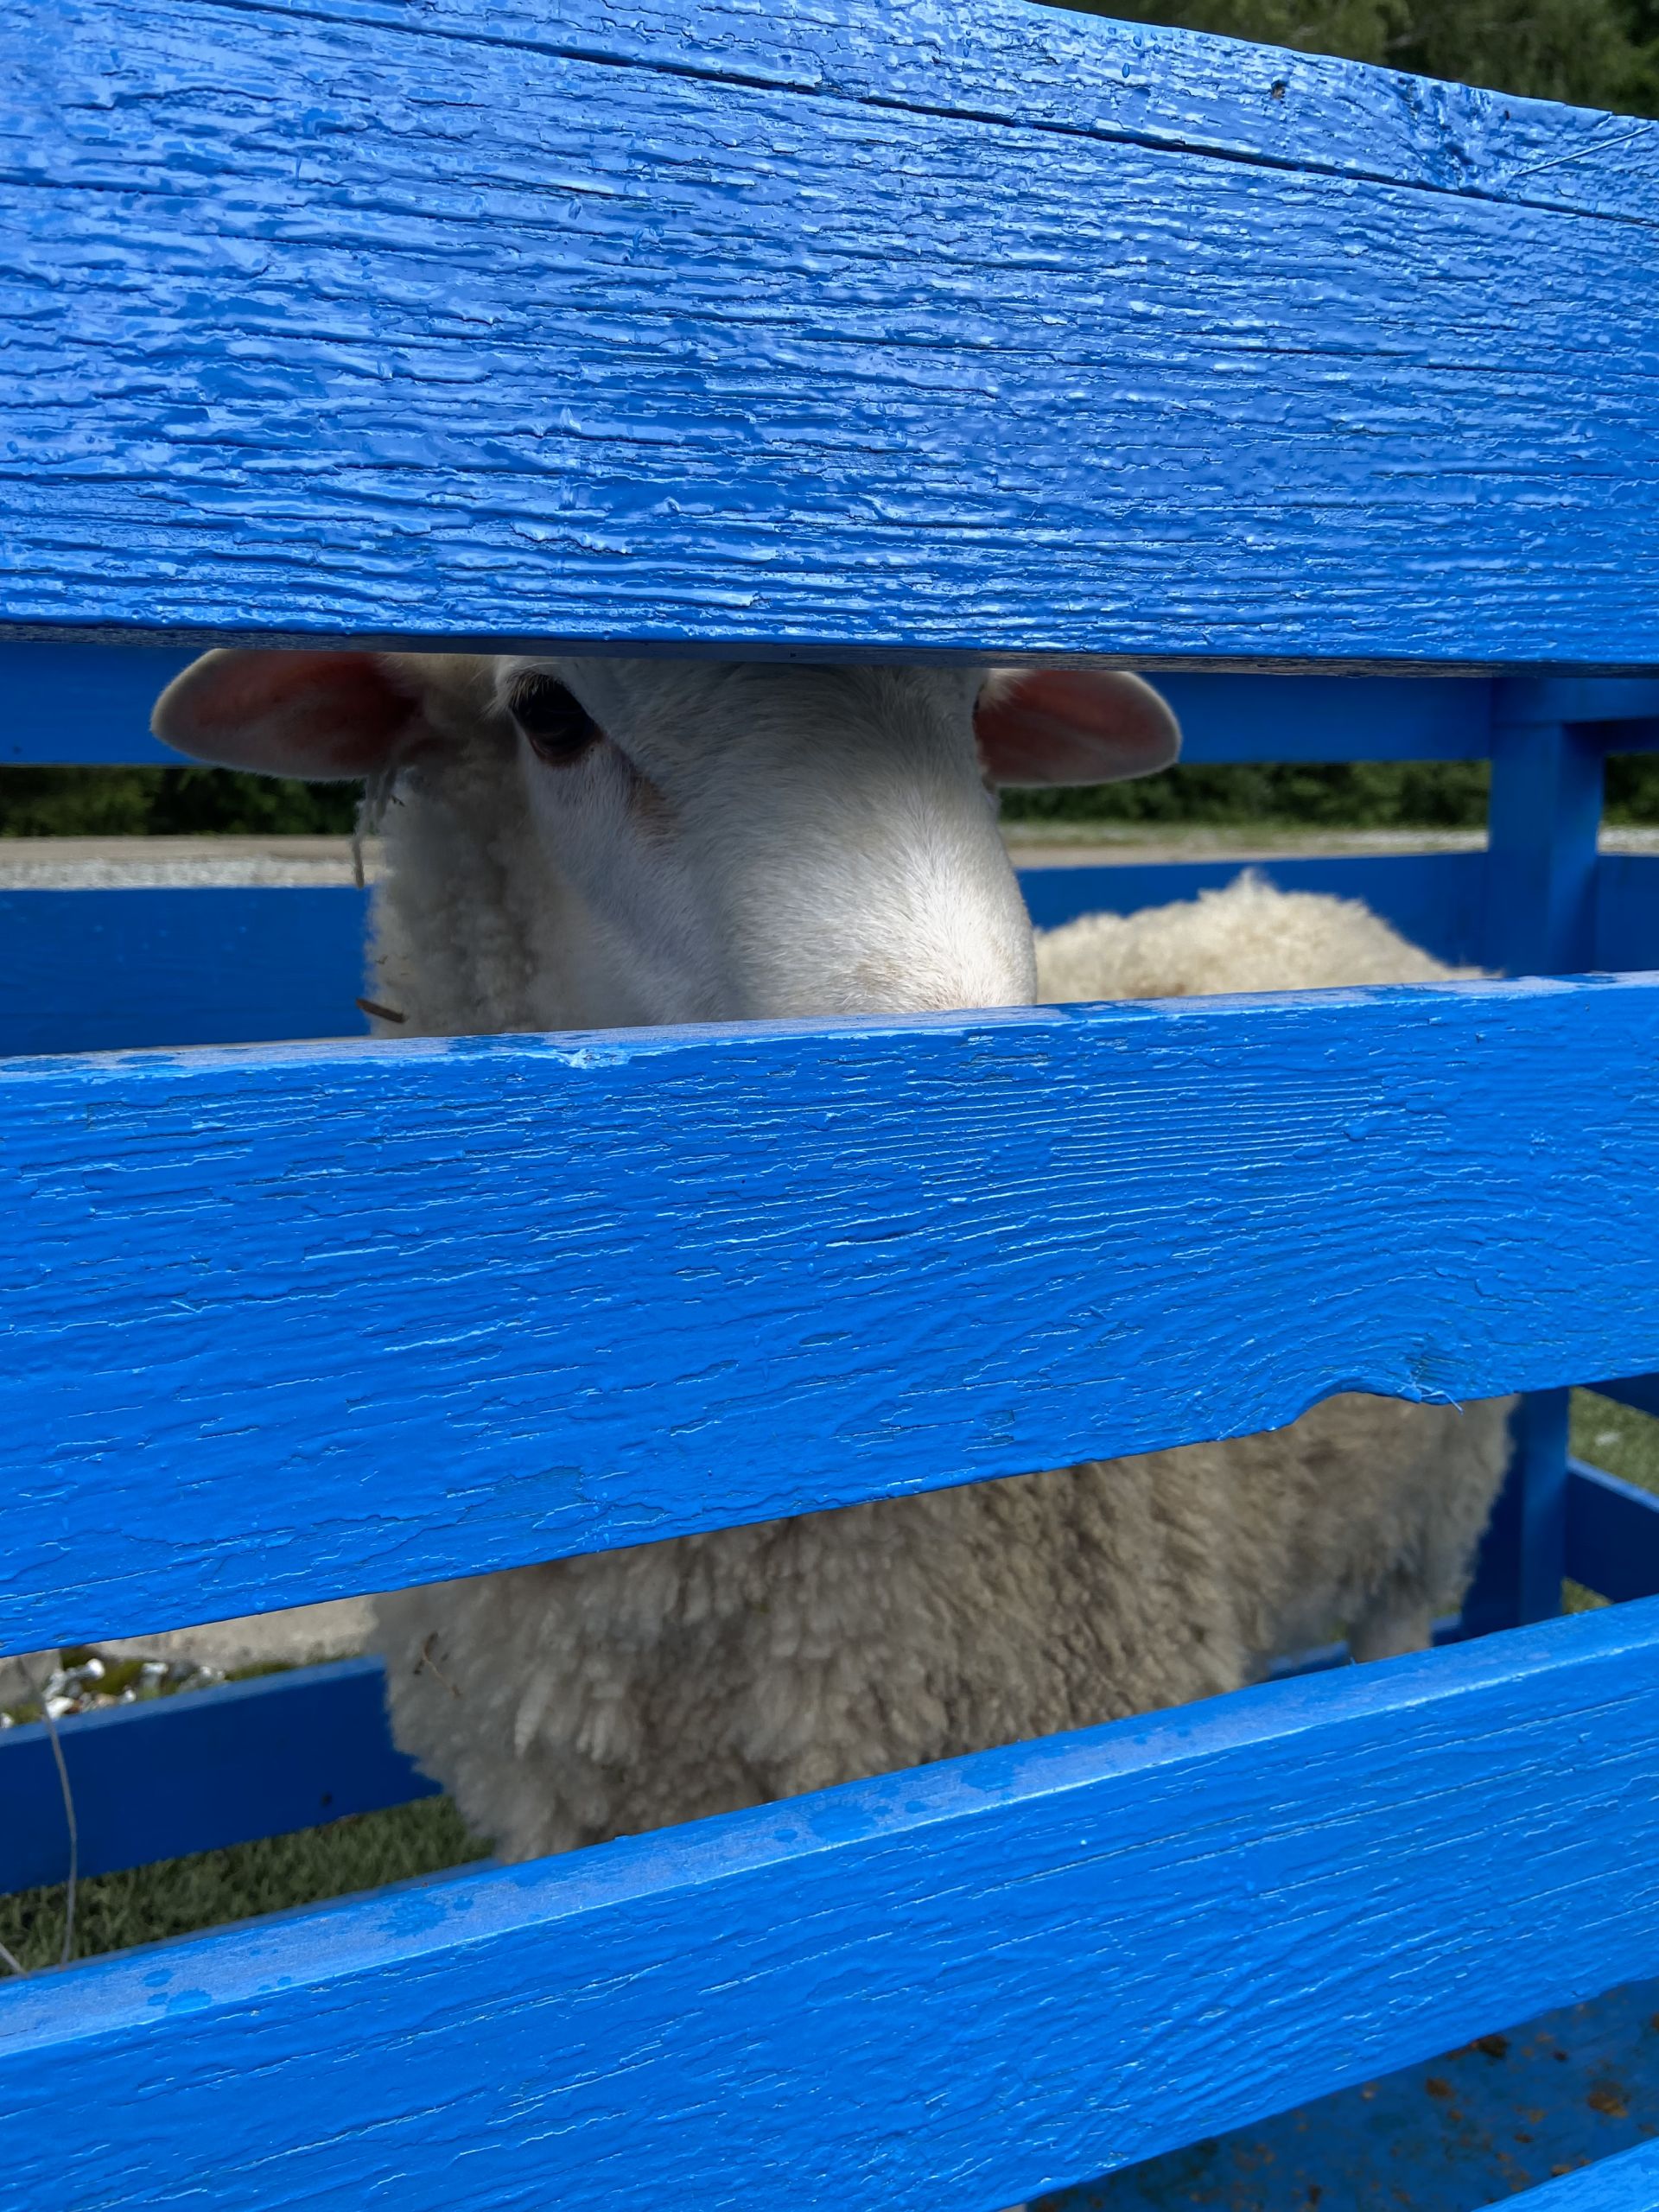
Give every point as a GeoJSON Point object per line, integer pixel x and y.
{"type": "Point", "coordinates": [848, 329]}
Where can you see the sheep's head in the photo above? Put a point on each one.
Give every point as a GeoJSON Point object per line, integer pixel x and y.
{"type": "Point", "coordinates": [750, 839]}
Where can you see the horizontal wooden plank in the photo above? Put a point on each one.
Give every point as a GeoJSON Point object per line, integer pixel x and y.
{"type": "Point", "coordinates": [958, 1986]}
{"type": "Point", "coordinates": [104, 970]}
{"type": "Point", "coordinates": [719, 356]}
{"type": "Point", "coordinates": [1582, 701]}
{"type": "Point", "coordinates": [196, 1772]}
{"type": "Point", "coordinates": [497, 1299]}
{"type": "Point", "coordinates": [1244, 717]}
{"type": "Point", "coordinates": [85, 704]}
{"type": "Point", "coordinates": [1639, 1391]}
{"type": "Point", "coordinates": [177, 1775]}
{"type": "Point", "coordinates": [99, 970]}
{"type": "Point", "coordinates": [1612, 1534]}
{"type": "Point", "coordinates": [91, 704]}
{"type": "Point", "coordinates": [1124, 81]}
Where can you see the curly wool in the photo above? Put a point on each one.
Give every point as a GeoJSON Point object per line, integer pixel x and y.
{"type": "Point", "coordinates": [592, 1697]}
{"type": "Point", "coordinates": [598, 1696]}
{"type": "Point", "coordinates": [1250, 937]}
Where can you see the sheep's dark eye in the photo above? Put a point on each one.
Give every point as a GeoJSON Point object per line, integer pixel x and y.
{"type": "Point", "coordinates": [559, 727]}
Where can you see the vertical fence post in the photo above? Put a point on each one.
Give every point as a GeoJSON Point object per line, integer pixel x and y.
{"type": "Point", "coordinates": [1543, 822]}
{"type": "Point", "coordinates": [1522, 1558]}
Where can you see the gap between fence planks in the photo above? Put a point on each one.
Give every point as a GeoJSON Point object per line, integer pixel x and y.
{"type": "Point", "coordinates": [262, 1757]}
{"type": "Point", "coordinates": [291, 1322]}
{"type": "Point", "coordinates": [957, 1986]}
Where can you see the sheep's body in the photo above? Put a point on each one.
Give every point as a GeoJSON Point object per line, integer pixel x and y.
{"type": "Point", "coordinates": [1248, 938]}
{"type": "Point", "coordinates": [566, 1703]}
{"type": "Point", "coordinates": [598, 1696]}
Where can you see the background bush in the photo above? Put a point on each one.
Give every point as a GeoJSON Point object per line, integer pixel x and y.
{"type": "Point", "coordinates": [1597, 52]}
{"type": "Point", "coordinates": [167, 802]}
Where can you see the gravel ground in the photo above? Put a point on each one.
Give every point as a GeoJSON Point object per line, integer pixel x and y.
{"type": "Point", "coordinates": [169, 863]}
{"type": "Point", "coordinates": [115, 863]}
{"type": "Point", "coordinates": [128, 1668]}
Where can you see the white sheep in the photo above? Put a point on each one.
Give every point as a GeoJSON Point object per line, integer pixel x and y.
{"type": "Point", "coordinates": [593, 843]}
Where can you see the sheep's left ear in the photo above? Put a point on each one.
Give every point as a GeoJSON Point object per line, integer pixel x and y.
{"type": "Point", "coordinates": [1072, 726]}
{"type": "Point", "coordinates": [322, 716]}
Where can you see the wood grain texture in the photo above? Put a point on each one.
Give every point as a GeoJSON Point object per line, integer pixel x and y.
{"type": "Point", "coordinates": [857, 331]}
{"type": "Point", "coordinates": [288, 1322]}
{"type": "Point", "coordinates": [956, 1986]}
{"type": "Point", "coordinates": [184, 1774]}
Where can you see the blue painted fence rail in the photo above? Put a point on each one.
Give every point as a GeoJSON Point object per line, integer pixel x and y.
{"type": "Point", "coordinates": [1467, 2127]}
{"type": "Point", "coordinates": [1629, 2183]}
{"type": "Point", "coordinates": [964, 1985]}
{"type": "Point", "coordinates": [762, 337]}
{"type": "Point", "coordinates": [197, 1771]}
{"type": "Point", "coordinates": [62, 703]}
{"type": "Point", "coordinates": [649, 1282]}
{"type": "Point", "coordinates": [258, 1759]}
{"type": "Point", "coordinates": [759, 340]}
{"type": "Point", "coordinates": [102, 971]}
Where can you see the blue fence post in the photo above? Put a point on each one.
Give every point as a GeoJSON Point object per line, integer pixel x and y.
{"type": "Point", "coordinates": [1544, 821]}
{"type": "Point", "coordinates": [1523, 1557]}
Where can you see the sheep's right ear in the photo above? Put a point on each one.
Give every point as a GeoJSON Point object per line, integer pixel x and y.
{"type": "Point", "coordinates": [318, 716]}
{"type": "Point", "coordinates": [1072, 726]}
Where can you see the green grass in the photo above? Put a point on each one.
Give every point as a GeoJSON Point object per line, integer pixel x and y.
{"type": "Point", "coordinates": [1619, 1441]}
{"type": "Point", "coordinates": [1616, 1438]}
{"type": "Point", "coordinates": [177, 1896]}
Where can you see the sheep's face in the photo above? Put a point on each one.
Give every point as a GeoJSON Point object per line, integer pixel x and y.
{"type": "Point", "coordinates": [774, 841]}
{"type": "Point", "coordinates": [749, 840]}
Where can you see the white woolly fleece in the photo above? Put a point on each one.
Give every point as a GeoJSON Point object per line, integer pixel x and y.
{"type": "Point", "coordinates": [577, 843]}
{"type": "Point", "coordinates": [592, 1697]}
{"type": "Point", "coordinates": [1250, 937]}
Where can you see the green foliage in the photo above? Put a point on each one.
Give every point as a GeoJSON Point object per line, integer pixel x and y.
{"type": "Point", "coordinates": [1593, 53]}
{"type": "Point", "coordinates": [168, 802]}
{"type": "Point", "coordinates": [1361, 795]}
{"type": "Point", "coordinates": [1632, 788]}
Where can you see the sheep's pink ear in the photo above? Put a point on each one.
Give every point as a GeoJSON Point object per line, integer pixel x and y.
{"type": "Point", "coordinates": [1072, 726]}
{"type": "Point", "coordinates": [320, 715]}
